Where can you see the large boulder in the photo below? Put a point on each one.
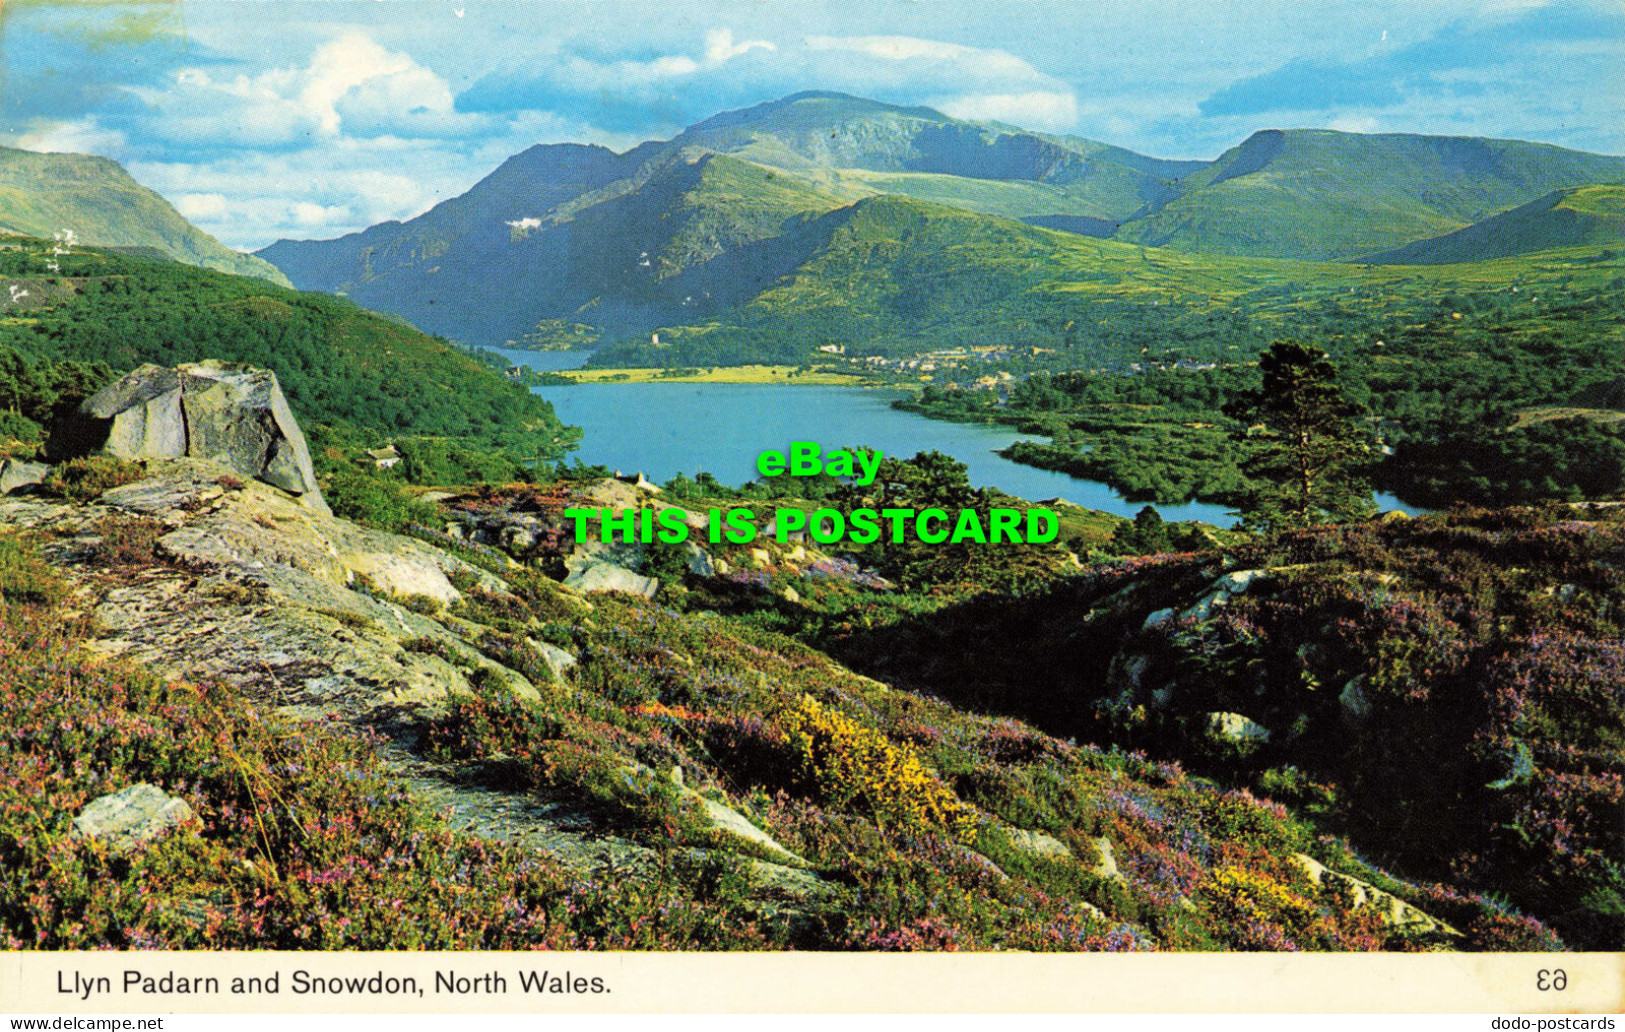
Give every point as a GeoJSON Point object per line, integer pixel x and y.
{"type": "Point", "coordinates": [232, 415]}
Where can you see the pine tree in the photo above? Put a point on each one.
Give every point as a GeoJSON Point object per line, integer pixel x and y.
{"type": "Point", "coordinates": [1146, 535]}
{"type": "Point", "coordinates": [1307, 448]}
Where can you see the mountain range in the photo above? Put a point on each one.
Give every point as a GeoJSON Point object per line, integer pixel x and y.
{"type": "Point", "coordinates": [687, 231]}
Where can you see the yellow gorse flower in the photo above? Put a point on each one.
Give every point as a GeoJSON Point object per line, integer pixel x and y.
{"type": "Point", "coordinates": [852, 765]}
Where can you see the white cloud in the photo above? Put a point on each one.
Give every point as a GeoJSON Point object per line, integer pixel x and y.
{"type": "Point", "coordinates": [972, 60]}
{"type": "Point", "coordinates": [196, 206]}
{"type": "Point", "coordinates": [1354, 124]}
{"type": "Point", "coordinates": [585, 74]}
{"type": "Point", "coordinates": [250, 199]}
{"type": "Point", "coordinates": [891, 48]}
{"type": "Point", "coordinates": [311, 216]}
{"type": "Point", "coordinates": [1038, 109]}
{"type": "Point", "coordinates": [351, 86]}
{"type": "Point", "coordinates": [84, 136]}
{"type": "Point", "coordinates": [720, 47]}
{"type": "Point", "coordinates": [1495, 8]}
{"type": "Point", "coordinates": [962, 81]}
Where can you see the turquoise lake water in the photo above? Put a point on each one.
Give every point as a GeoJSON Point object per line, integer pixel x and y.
{"type": "Point", "coordinates": [661, 429]}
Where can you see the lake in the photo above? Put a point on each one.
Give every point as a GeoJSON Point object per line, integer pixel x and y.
{"type": "Point", "coordinates": [662, 429]}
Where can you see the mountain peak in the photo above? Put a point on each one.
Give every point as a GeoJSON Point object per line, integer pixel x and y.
{"type": "Point", "coordinates": [829, 104]}
{"type": "Point", "coordinates": [45, 193]}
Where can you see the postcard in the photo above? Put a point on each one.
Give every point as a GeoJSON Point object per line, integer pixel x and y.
{"type": "Point", "coordinates": [515, 506]}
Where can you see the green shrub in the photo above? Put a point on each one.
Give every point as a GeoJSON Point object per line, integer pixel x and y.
{"type": "Point", "coordinates": [82, 480]}
{"type": "Point", "coordinates": [24, 576]}
{"type": "Point", "coordinates": [18, 430]}
{"type": "Point", "coordinates": [376, 501]}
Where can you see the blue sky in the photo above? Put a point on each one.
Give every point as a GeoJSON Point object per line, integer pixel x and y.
{"type": "Point", "coordinates": [262, 119]}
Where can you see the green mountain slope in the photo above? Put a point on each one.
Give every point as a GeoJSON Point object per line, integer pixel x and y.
{"type": "Point", "coordinates": [561, 233]}
{"type": "Point", "coordinates": [364, 377]}
{"type": "Point", "coordinates": [682, 239]}
{"type": "Point", "coordinates": [1320, 194]}
{"type": "Point", "coordinates": [811, 132]}
{"type": "Point", "coordinates": [1563, 218]}
{"type": "Point", "coordinates": [44, 194]}
{"type": "Point", "coordinates": [691, 232]}
{"type": "Point", "coordinates": [898, 277]}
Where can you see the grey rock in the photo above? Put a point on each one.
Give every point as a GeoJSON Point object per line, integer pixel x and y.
{"type": "Point", "coordinates": [1237, 581]}
{"type": "Point", "coordinates": [15, 474]}
{"type": "Point", "coordinates": [729, 821]}
{"type": "Point", "coordinates": [264, 599]}
{"type": "Point", "coordinates": [1036, 843]}
{"type": "Point", "coordinates": [405, 575]}
{"type": "Point", "coordinates": [131, 816]}
{"type": "Point", "coordinates": [517, 537]}
{"type": "Point", "coordinates": [612, 494]}
{"type": "Point", "coordinates": [1236, 729]}
{"type": "Point", "coordinates": [1106, 866]}
{"type": "Point", "coordinates": [558, 661]}
{"type": "Point", "coordinates": [233, 415]}
{"type": "Point", "coordinates": [700, 564]}
{"type": "Point", "coordinates": [600, 577]}
{"type": "Point", "coordinates": [1127, 672]}
{"type": "Point", "coordinates": [638, 780]}
{"type": "Point", "coordinates": [1394, 912]}
{"type": "Point", "coordinates": [1220, 592]}
{"type": "Point", "coordinates": [144, 414]}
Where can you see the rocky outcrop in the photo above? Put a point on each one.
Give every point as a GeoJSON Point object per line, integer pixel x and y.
{"type": "Point", "coordinates": [1106, 865]}
{"type": "Point", "coordinates": [16, 474]}
{"type": "Point", "coordinates": [1219, 593]}
{"type": "Point", "coordinates": [247, 587]}
{"type": "Point", "coordinates": [232, 415]}
{"type": "Point", "coordinates": [569, 834]}
{"type": "Point", "coordinates": [1037, 843]}
{"type": "Point", "coordinates": [301, 612]}
{"type": "Point", "coordinates": [132, 816]}
{"type": "Point", "coordinates": [1394, 912]}
{"type": "Point", "coordinates": [728, 821]}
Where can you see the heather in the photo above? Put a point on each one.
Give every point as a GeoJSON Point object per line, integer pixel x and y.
{"type": "Point", "coordinates": [922, 825]}
{"type": "Point", "coordinates": [301, 840]}
{"type": "Point", "coordinates": [1447, 692]}
{"type": "Point", "coordinates": [922, 813]}
{"type": "Point", "coordinates": [785, 748]}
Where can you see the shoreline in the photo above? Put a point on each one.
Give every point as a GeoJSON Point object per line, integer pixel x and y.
{"type": "Point", "coordinates": [746, 374]}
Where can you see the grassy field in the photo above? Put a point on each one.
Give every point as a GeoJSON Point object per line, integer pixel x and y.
{"type": "Point", "coordinates": [1529, 417]}
{"type": "Point", "coordinates": [725, 374]}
